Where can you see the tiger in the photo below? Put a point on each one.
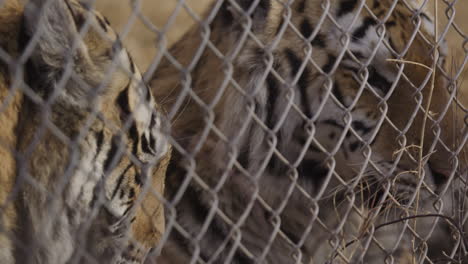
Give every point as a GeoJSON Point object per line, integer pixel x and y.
{"type": "Point", "coordinates": [11, 101]}
{"type": "Point", "coordinates": [297, 129]}
{"type": "Point", "coordinates": [86, 141]}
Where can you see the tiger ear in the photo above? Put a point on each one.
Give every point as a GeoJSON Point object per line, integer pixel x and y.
{"type": "Point", "coordinates": [51, 26]}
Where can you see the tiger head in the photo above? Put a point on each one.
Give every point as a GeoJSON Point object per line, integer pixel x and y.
{"type": "Point", "coordinates": [95, 99]}
{"type": "Point", "coordinates": [363, 72]}
{"type": "Point", "coordinates": [388, 123]}
{"type": "Point", "coordinates": [391, 65]}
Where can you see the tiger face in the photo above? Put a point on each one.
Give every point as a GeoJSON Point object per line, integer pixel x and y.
{"type": "Point", "coordinates": [368, 111]}
{"type": "Point", "coordinates": [368, 79]}
{"type": "Point", "coordinates": [396, 87]}
{"type": "Point", "coordinates": [93, 142]}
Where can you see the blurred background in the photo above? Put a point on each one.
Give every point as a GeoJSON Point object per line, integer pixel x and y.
{"type": "Point", "coordinates": [141, 39]}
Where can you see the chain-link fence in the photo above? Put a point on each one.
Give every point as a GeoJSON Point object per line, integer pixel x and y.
{"type": "Point", "coordinates": [302, 131]}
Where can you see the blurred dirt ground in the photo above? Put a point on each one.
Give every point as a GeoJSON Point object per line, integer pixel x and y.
{"type": "Point", "coordinates": [141, 40]}
{"type": "Point", "coordinates": [455, 40]}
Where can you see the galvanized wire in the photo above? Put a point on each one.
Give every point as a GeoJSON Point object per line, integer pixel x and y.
{"type": "Point", "coordinates": [351, 232]}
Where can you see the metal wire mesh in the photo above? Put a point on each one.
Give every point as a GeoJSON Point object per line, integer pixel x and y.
{"type": "Point", "coordinates": [239, 189]}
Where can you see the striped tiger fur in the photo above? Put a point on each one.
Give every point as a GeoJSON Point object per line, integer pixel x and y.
{"type": "Point", "coordinates": [89, 141]}
{"type": "Point", "coordinates": [11, 100]}
{"type": "Point", "coordinates": [297, 136]}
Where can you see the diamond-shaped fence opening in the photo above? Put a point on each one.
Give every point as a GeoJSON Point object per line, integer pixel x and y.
{"type": "Point", "coordinates": [302, 131]}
